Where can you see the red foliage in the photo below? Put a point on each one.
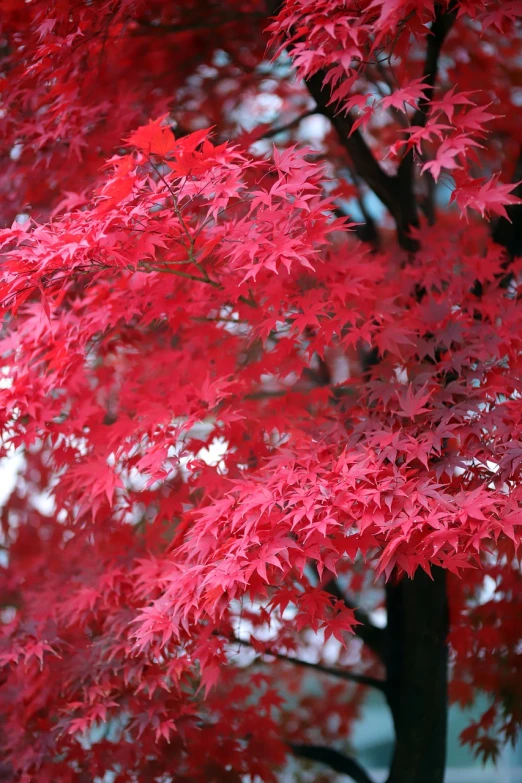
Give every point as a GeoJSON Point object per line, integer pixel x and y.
{"type": "Point", "coordinates": [201, 445]}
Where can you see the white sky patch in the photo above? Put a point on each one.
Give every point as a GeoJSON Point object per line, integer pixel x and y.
{"type": "Point", "coordinates": [10, 467]}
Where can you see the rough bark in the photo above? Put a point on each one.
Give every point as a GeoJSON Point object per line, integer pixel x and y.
{"type": "Point", "coordinates": [417, 676]}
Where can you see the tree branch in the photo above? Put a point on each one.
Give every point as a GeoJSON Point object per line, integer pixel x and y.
{"type": "Point", "coordinates": [400, 202]}
{"type": "Point", "coordinates": [363, 160]}
{"type": "Point", "coordinates": [395, 192]}
{"type": "Point", "coordinates": [333, 759]}
{"type": "Point", "coordinates": [289, 125]}
{"type": "Point", "coordinates": [365, 164]}
{"type": "Point", "coordinates": [442, 24]}
{"type": "Point", "coordinates": [341, 674]}
{"type": "Point", "coordinates": [366, 232]}
{"type": "Point", "coordinates": [373, 637]}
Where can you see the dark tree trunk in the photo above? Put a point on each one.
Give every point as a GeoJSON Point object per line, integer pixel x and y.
{"type": "Point", "coordinates": [417, 676]}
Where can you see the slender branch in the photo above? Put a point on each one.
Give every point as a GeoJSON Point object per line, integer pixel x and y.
{"type": "Point", "coordinates": [166, 270]}
{"type": "Point", "coordinates": [442, 24]}
{"type": "Point", "coordinates": [367, 231]}
{"type": "Point", "coordinates": [400, 202]}
{"type": "Point", "coordinates": [266, 395]}
{"type": "Point", "coordinates": [373, 637]}
{"type": "Point", "coordinates": [245, 300]}
{"type": "Point", "coordinates": [250, 301]}
{"type": "Point", "coordinates": [364, 163]}
{"type": "Point", "coordinates": [337, 761]}
{"type": "Point", "coordinates": [289, 125]}
{"type": "Point", "coordinates": [395, 192]}
{"type": "Point", "coordinates": [370, 233]}
{"type": "Point", "coordinates": [341, 674]}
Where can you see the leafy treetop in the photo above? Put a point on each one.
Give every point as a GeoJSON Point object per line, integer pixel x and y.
{"type": "Point", "coordinates": [232, 406]}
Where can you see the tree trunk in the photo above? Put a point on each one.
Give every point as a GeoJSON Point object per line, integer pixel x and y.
{"type": "Point", "coordinates": [417, 676]}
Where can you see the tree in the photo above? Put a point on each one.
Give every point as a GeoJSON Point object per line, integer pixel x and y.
{"type": "Point", "coordinates": [244, 420]}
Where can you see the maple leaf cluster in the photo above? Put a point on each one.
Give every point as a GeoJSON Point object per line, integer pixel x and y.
{"type": "Point", "coordinates": [203, 447]}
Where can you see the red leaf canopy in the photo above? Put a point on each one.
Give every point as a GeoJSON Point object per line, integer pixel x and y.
{"type": "Point", "coordinates": [202, 447]}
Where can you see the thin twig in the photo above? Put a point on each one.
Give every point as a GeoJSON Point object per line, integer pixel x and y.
{"type": "Point", "coordinates": [289, 125]}
{"type": "Point", "coordinates": [341, 674]}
